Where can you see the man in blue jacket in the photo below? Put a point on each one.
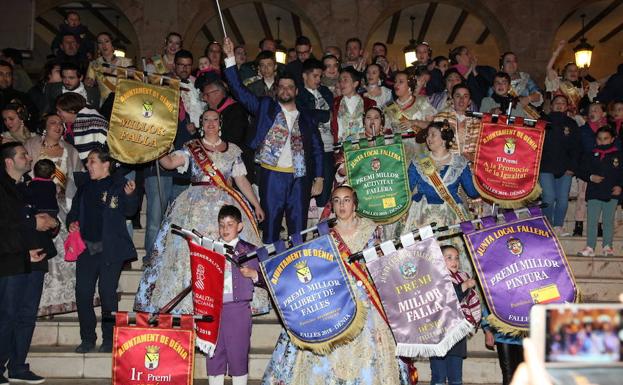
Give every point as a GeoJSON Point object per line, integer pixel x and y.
{"type": "Point", "coordinates": [288, 148]}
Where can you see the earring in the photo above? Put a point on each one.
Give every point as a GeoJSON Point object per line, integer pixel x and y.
{"type": "Point", "coordinates": [219, 132]}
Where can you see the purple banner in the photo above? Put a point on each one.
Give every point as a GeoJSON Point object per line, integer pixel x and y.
{"type": "Point", "coordinates": [520, 263]}
{"type": "Point", "coordinates": [419, 300]}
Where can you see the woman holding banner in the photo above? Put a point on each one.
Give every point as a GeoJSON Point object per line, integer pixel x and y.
{"type": "Point", "coordinates": [213, 163]}
{"type": "Point", "coordinates": [435, 180]}
{"type": "Point", "coordinates": [370, 357]}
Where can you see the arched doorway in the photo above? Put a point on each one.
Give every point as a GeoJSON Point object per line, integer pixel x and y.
{"type": "Point", "coordinates": [98, 17]}
{"type": "Point", "coordinates": [603, 30]}
{"type": "Point", "coordinates": [443, 25]}
{"type": "Point", "coordinates": [249, 22]}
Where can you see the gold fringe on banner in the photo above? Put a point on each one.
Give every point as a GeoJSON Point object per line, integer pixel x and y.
{"type": "Point", "coordinates": [348, 335]}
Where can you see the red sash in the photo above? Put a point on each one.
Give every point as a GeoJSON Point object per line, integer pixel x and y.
{"type": "Point", "coordinates": [202, 157]}
{"type": "Point", "coordinates": [359, 272]}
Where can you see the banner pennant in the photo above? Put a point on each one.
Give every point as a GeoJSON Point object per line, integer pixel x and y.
{"type": "Point", "coordinates": [323, 228]}
{"type": "Point", "coordinates": [510, 215]}
{"type": "Point", "coordinates": [388, 247]}
{"type": "Point", "coordinates": [262, 253]}
{"type": "Point", "coordinates": [370, 254]}
{"type": "Point", "coordinates": [297, 239]}
{"type": "Point", "coordinates": [488, 221]}
{"type": "Point", "coordinates": [407, 239]}
{"type": "Point", "coordinates": [535, 211]}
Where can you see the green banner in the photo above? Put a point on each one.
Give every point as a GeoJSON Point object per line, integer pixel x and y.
{"type": "Point", "coordinates": [379, 176]}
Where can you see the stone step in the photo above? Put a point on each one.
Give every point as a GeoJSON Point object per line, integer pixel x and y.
{"type": "Point", "coordinates": [67, 333]}
{"type": "Point", "coordinates": [93, 381]}
{"type": "Point", "coordinates": [62, 362]}
{"type": "Point", "coordinates": [263, 336]}
{"type": "Point", "coordinates": [572, 245]}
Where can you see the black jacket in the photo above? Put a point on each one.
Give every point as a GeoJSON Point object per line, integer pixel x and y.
{"type": "Point", "coordinates": [15, 225]}
{"type": "Point", "coordinates": [40, 197]}
{"type": "Point", "coordinates": [307, 100]}
{"type": "Point", "coordinates": [609, 165]}
{"type": "Point", "coordinates": [117, 243]}
{"type": "Point", "coordinates": [562, 148]}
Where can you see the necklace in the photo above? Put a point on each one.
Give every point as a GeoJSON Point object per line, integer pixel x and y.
{"type": "Point", "coordinates": [45, 145]}
{"type": "Point", "coordinates": [207, 142]}
{"type": "Point", "coordinates": [402, 104]}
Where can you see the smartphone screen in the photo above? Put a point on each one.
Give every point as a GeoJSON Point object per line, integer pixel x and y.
{"type": "Point", "coordinates": [590, 335]}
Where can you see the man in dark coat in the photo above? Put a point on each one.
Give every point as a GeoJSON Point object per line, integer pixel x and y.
{"type": "Point", "coordinates": [20, 285]}
{"type": "Point", "coordinates": [235, 127]}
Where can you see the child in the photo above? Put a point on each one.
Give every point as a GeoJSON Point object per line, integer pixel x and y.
{"type": "Point", "coordinates": [616, 115]}
{"type": "Point", "coordinates": [499, 100]}
{"type": "Point", "coordinates": [234, 337]}
{"type": "Point", "coordinates": [204, 63]}
{"type": "Point", "coordinates": [41, 191]}
{"type": "Point", "coordinates": [596, 119]}
{"type": "Point", "coordinates": [40, 197]}
{"type": "Point", "coordinates": [604, 174]}
{"type": "Point", "coordinates": [451, 365]}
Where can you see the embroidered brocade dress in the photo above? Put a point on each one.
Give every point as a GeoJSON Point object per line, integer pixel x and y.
{"type": "Point", "coordinates": [370, 359]}
{"type": "Point", "coordinates": [168, 272]}
{"type": "Point", "coordinates": [414, 109]}
{"type": "Point", "coordinates": [59, 294]}
{"type": "Point", "coordinates": [428, 207]}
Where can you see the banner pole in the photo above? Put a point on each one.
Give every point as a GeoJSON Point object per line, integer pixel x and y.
{"type": "Point", "coordinates": [437, 229]}
{"type": "Point", "coordinates": [220, 15]}
{"type": "Point", "coordinates": [511, 118]}
{"type": "Point", "coordinates": [132, 71]}
{"type": "Point", "coordinates": [405, 135]}
{"type": "Point", "coordinates": [132, 314]}
{"type": "Point", "coordinates": [162, 204]}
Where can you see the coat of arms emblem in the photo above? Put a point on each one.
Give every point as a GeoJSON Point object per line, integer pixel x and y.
{"type": "Point", "coordinates": [303, 272]}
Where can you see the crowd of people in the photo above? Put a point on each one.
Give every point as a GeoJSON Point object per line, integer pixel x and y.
{"type": "Point", "coordinates": [257, 140]}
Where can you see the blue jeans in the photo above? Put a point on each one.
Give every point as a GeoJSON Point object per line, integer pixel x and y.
{"type": "Point", "coordinates": [556, 196]}
{"type": "Point", "coordinates": [605, 210]}
{"type": "Point", "coordinates": [155, 210]}
{"type": "Point", "coordinates": [19, 302]}
{"type": "Point", "coordinates": [450, 367]}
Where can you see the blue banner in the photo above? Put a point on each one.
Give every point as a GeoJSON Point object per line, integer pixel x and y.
{"type": "Point", "coordinates": [315, 300]}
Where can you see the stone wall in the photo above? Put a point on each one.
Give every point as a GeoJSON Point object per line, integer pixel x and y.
{"type": "Point", "coordinates": [527, 27]}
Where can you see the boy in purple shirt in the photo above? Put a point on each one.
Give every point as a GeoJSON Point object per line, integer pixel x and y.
{"type": "Point", "coordinates": [234, 338]}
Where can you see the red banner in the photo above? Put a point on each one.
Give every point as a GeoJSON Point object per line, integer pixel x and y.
{"type": "Point", "coordinates": [153, 355]}
{"type": "Point", "coordinates": [207, 269]}
{"type": "Point", "coordinates": [508, 157]}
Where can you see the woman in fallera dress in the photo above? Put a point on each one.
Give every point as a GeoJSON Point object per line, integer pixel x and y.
{"type": "Point", "coordinates": [370, 359]}
{"type": "Point", "coordinates": [213, 165]}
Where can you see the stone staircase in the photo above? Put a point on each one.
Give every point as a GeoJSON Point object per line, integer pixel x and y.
{"type": "Point", "coordinates": [52, 352]}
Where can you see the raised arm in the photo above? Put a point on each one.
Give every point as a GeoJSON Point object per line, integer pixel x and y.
{"type": "Point", "coordinates": [551, 72]}
{"type": "Point", "coordinates": [241, 93]}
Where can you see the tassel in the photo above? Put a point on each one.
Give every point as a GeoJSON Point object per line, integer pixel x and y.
{"type": "Point", "coordinates": [206, 347]}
